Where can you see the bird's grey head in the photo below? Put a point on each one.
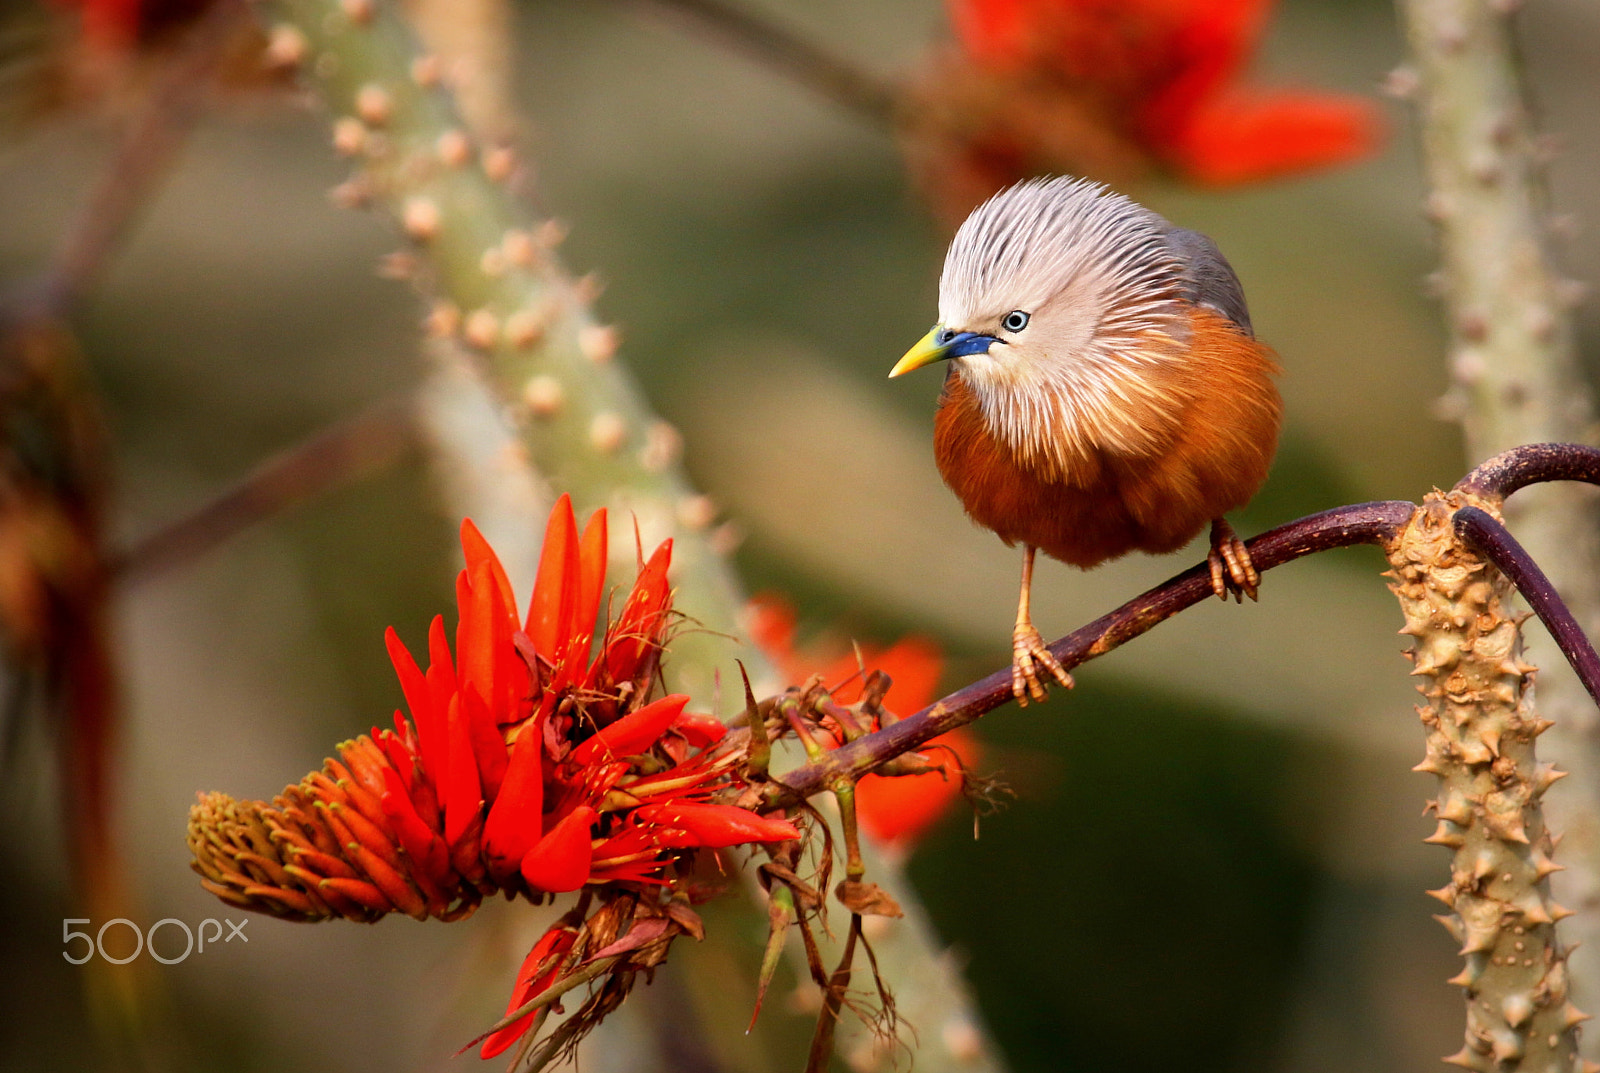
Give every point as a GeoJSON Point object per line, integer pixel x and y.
{"type": "Point", "coordinates": [1074, 259]}
{"type": "Point", "coordinates": [1058, 300]}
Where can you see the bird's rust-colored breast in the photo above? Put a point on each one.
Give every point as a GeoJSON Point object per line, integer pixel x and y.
{"type": "Point", "coordinates": [1218, 456]}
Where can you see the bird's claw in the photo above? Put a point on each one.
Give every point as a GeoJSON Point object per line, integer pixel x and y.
{"type": "Point", "coordinates": [1028, 656]}
{"type": "Point", "coordinates": [1231, 568]}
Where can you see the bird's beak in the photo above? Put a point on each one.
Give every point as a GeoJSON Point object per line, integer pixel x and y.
{"type": "Point", "coordinates": [930, 349]}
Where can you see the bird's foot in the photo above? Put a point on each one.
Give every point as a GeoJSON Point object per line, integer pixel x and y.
{"type": "Point", "coordinates": [1231, 568]}
{"type": "Point", "coordinates": [1028, 657]}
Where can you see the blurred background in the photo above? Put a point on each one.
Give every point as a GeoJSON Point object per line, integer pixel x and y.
{"type": "Point", "coordinates": [1213, 858]}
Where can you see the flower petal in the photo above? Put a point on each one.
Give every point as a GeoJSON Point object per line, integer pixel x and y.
{"type": "Point", "coordinates": [463, 794]}
{"type": "Point", "coordinates": [425, 709]}
{"type": "Point", "coordinates": [1241, 139]}
{"type": "Point", "coordinates": [633, 733]}
{"type": "Point", "coordinates": [478, 554]}
{"type": "Point", "coordinates": [715, 826]}
{"type": "Point", "coordinates": [700, 729]}
{"type": "Point", "coordinates": [515, 819]}
{"type": "Point", "coordinates": [560, 860]}
{"type": "Point", "coordinates": [902, 808]}
{"type": "Point", "coordinates": [537, 973]}
{"type": "Point", "coordinates": [554, 590]}
{"type": "Point", "coordinates": [488, 748]}
{"type": "Point", "coordinates": [638, 628]}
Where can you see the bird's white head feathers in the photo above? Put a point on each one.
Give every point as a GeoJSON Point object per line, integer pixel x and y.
{"type": "Point", "coordinates": [1108, 296]}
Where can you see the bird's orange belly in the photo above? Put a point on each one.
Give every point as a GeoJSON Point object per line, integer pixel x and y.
{"type": "Point", "coordinates": [1216, 460]}
{"type": "Point", "coordinates": [1083, 526]}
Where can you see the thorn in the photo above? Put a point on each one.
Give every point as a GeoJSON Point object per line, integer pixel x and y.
{"type": "Point", "coordinates": [1543, 865]}
{"type": "Point", "coordinates": [544, 395]}
{"type": "Point", "coordinates": [1571, 1017]}
{"type": "Point", "coordinates": [1507, 827]}
{"type": "Point", "coordinates": [598, 342]}
{"type": "Point", "coordinates": [1446, 835]}
{"type": "Point", "coordinates": [1468, 976]}
{"type": "Point", "coordinates": [420, 218]}
{"type": "Point", "coordinates": [349, 135]}
{"type": "Point", "coordinates": [427, 71]}
{"type": "Point", "coordinates": [1466, 1058]}
{"type": "Point", "coordinates": [1480, 939]}
{"type": "Point", "coordinates": [286, 47]}
{"type": "Point", "coordinates": [1533, 910]}
{"type": "Point", "coordinates": [1456, 810]}
{"type": "Point", "coordinates": [1452, 924]}
{"type": "Point", "coordinates": [499, 162]}
{"type": "Point", "coordinates": [607, 432]}
{"type": "Point", "coordinates": [1446, 894]}
{"type": "Point", "coordinates": [454, 148]}
{"type": "Point", "coordinates": [1559, 912]}
{"type": "Point", "coordinates": [482, 329]}
{"type": "Point", "coordinates": [373, 105]}
{"type": "Point", "coordinates": [1507, 1046]}
{"type": "Point", "coordinates": [1545, 776]}
{"type": "Point", "coordinates": [1542, 725]}
{"type": "Point", "coordinates": [1490, 736]}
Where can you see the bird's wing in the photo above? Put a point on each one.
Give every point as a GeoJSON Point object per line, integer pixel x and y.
{"type": "Point", "coordinates": [1211, 276]}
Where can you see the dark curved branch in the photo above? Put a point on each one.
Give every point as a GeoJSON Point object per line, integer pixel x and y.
{"type": "Point", "coordinates": [1479, 529]}
{"type": "Point", "coordinates": [1364, 523]}
{"type": "Point", "coordinates": [1533, 463]}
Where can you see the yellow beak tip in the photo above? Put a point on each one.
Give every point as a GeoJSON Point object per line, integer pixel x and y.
{"type": "Point", "coordinates": [926, 351]}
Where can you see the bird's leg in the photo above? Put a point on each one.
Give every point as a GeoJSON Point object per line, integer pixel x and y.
{"type": "Point", "coordinates": [1231, 568]}
{"type": "Point", "coordinates": [1027, 647]}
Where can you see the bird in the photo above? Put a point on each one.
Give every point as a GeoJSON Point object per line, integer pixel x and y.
{"type": "Point", "coordinates": [1105, 391]}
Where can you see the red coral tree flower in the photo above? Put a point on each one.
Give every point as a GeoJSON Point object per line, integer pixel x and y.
{"type": "Point", "coordinates": [1103, 87]}
{"type": "Point", "coordinates": [897, 811]}
{"type": "Point", "coordinates": [533, 763]}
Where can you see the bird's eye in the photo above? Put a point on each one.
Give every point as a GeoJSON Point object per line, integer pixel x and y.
{"type": "Point", "coordinates": [944, 336]}
{"type": "Point", "coordinates": [1014, 321]}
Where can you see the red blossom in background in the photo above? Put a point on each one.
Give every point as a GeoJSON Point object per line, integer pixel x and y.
{"type": "Point", "coordinates": [119, 25]}
{"type": "Point", "coordinates": [531, 765]}
{"type": "Point", "coordinates": [1106, 87]}
{"type": "Point", "coordinates": [895, 810]}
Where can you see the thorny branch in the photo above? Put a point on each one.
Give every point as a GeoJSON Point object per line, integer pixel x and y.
{"type": "Point", "coordinates": [1365, 523]}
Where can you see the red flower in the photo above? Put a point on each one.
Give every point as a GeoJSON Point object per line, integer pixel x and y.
{"type": "Point", "coordinates": [531, 765]}
{"type": "Point", "coordinates": [1099, 86]}
{"type": "Point", "coordinates": [895, 810]}
{"type": "Point", "coordinates": [120, 25]}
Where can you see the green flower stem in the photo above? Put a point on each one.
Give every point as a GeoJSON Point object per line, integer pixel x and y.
{"type": "Point", "coordinates": [1514, 369]}
{"type": "Point", "coordinates": [500, 295]}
